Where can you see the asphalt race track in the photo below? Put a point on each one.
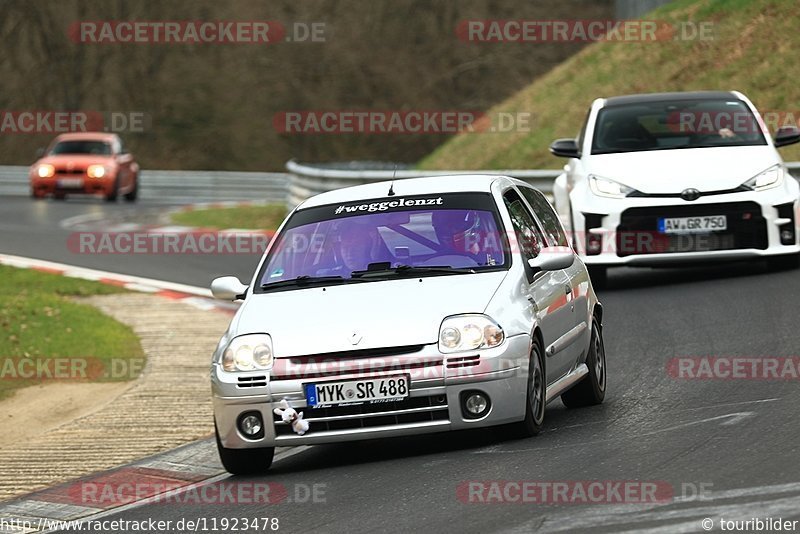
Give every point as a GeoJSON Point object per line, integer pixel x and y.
{"type": "Point", "coordinates": [737, 439]}
{"type": "Point", "coordinates": [34, 229]}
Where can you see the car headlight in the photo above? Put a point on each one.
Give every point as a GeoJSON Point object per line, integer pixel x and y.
{"type": "Point", "coordinates": [96, 171]}
{"type": "Point", "coordinates": [45, 171]}
{"type": "Point", "coordinates": [772, 177]}
{"type": "Point", "coordinates": [608, 188]}
{"type": "Point", "coordinates": [469, 332]}
{"type": "Point", "coordinates": [251, 352]}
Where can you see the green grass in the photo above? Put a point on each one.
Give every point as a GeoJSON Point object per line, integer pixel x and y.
{"type": "Point", "coordinates": [755, 49]}
{"type": "Point", "coordinates": [267, 217]}
{"type": "Point", "coordinates": [41, 324]}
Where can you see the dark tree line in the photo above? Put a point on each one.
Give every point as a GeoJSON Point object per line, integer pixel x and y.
{"type": "Point", "coordinates": [211, 106]}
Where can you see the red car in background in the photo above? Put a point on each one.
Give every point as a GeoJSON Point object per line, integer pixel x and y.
{"type": "Point", "coordinates": [87, 163]}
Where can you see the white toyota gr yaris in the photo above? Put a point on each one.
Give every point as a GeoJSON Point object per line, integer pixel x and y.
{"type": "Point", "coordinates": [674, 178]}
{"type": "Point", "coordinates": [398, 309]}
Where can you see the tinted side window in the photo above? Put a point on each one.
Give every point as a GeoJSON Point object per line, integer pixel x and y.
{"type": "Point", "coordinates": [528, 235]}
{"type": "Point", "coordinates": [550, 222]}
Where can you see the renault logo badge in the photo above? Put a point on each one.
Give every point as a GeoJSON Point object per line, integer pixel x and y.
{"type": "Point", "coordinates": [355, 338]}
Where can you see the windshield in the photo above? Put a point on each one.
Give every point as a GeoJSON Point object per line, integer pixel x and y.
{"type": "Point", "coordinates": [458, 232]}
{"type": "Point", "coordinates": [82, 147]}
{"type": "Point", "coordinates": [675, 124]}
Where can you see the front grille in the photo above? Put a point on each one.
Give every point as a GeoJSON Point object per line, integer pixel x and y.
{"type": "Point", "coordinates": [638, 232]}
{"type": "Point", "coordinates": [740, 189]}
{"type": "Point", "coordinates": [252, 381]}
{"type": "Point", "coordinates": [409, 410]}
{"type": "Point", "coordinates": [372, 361]}
{"type": "Point", "coordinates": [64, 170]}
{"type": "Point", "coordinates": [324, 369]}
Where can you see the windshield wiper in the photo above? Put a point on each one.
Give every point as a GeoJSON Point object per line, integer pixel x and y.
{"type": "Point", "coordinates": [307, 281]}
{"type": "Point", "coordinates": [408, 270]}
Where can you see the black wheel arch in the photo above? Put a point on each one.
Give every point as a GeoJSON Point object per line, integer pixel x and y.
{"type": "Point", "coordinates": [597, 313]}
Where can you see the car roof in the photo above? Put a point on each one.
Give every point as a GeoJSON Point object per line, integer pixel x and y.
{"type": "Point", "coordinates": [433, 185]}
{"type": "Point", "coordinates": [80, 136]}
{"type": "Point", "coordinates": [659, 97]}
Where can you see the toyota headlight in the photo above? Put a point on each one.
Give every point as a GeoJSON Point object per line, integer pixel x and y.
{"type": "Point", "coordinates": [469, 332]}
{"type": "Point", "coordinates": [609, 188]}
{"type": "Point", "coordinates": [252, 352]}
{"type": "Point", "coordinates": [768, 179]}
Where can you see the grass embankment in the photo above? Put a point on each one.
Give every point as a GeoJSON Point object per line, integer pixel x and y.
{"type": "Point", "coordinates": [45, 335]}
{"type": "Point", "coordinates": [755, 49]}
{"type": "Point", "coordinates": [267, 217]}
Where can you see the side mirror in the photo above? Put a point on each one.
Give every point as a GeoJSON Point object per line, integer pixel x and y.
{"type": "Point", "coordinates": [228, 288]}
{"type": "Point", "coordinates": [565, 148]}
{"type": "Point", "coordinates": [553, 259]}
{"type": "Point", "coordinates": [788, 135]}
{"type": "Point", "coordinates": [39, 152]}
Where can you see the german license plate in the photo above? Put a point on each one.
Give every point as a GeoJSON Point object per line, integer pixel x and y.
{"type": "Point", "coordinates": [692, 225]}
{"type": "Point", "coordinates": [357, 391]}
{"type": "Point", "coordinates": [70, 182]}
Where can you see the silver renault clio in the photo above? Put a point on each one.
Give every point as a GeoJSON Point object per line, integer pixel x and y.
{"type": "Point", "coordinates": [402, 308]}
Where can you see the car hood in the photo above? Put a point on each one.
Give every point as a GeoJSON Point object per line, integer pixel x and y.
{"type": "Point", "coordinates": [79, 160]}
{"type": "Point", "coordinates": [672, 171]}
{"type": "Point", "coordinates": [390, 313]}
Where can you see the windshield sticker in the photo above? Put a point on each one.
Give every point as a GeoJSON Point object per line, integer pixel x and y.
{"type": "Point", "coordinates": [387, 205]}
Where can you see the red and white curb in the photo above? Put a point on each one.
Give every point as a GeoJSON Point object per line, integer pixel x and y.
{"type": "Point", "coordinates": [197, 297]}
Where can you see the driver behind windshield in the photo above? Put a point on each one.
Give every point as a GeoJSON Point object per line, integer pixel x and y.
{"type": "Point", "coordinates": [356, 246]}
{"type": "Point", "coordinates": [458, 231]}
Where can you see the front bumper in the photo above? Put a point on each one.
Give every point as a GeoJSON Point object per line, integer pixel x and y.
{"type": "Point", "coordinates": [626, 231]}
{"type": "Point", "coordinates": [72, 184]}
{"type": "Point", "coordinates": [433, 405]}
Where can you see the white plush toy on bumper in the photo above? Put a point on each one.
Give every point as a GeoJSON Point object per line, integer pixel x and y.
{"type": "Point", "coordinates": [290, 415]}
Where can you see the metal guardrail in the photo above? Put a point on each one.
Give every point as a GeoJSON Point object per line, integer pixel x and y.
{"type": "Point", "coordinates": [309, 180]}
{"type": "Point", "coordinates": [180, 186]}
{"type": "Point", "coordinates": [302, 181]}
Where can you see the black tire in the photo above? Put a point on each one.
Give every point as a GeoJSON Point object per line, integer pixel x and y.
{"type": "Point", "coordinates": [535, 399]}
{"type": "Point", "coordinates": [36, 196]}
{"type": "Point", "coordinates": [599, 276]}
{"type": "Point", "coordinates": [131, 196]}
{"type": "Point", "coordinates": [112, 197]}
{"type": "Point", "coordinates": [244, 461]}
{"type": "Point", "coordinates": [591, 389]}
{"type": "Point", "coordinates": [783, 263]}
{"type": "Point", "coordinates": [59, 196]}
